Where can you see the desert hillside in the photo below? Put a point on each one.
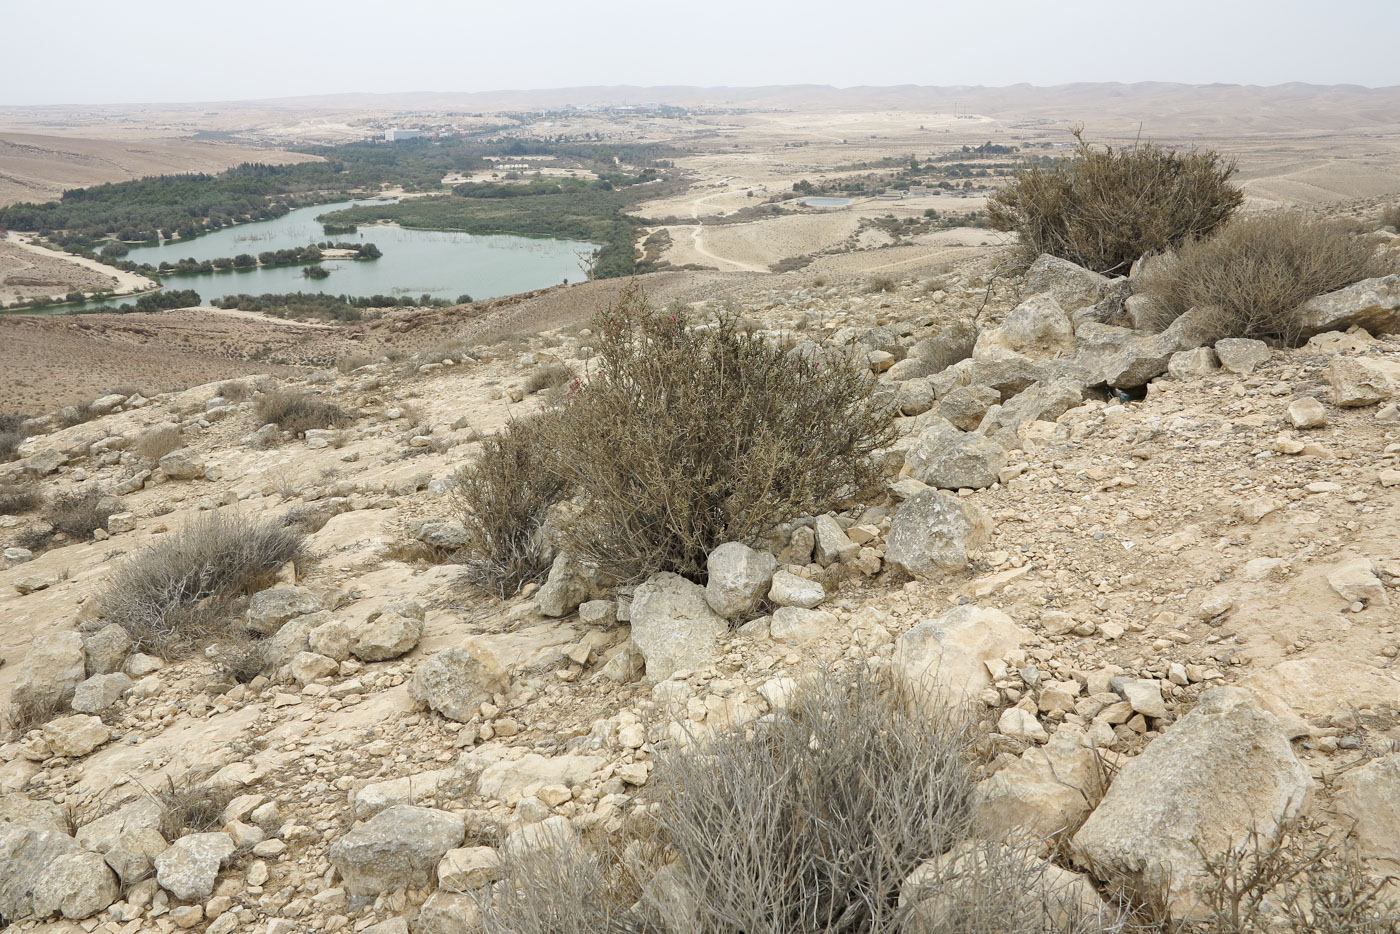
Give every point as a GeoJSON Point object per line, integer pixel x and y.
{"type": "Point", "coordinates": [1168, 604]}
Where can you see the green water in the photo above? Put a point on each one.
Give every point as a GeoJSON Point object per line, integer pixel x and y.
{"type": "Point", "coordinates": [441, 264]}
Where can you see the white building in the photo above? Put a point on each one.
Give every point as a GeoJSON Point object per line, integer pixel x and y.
{"type": "Point", "coordinates": [398, 134]}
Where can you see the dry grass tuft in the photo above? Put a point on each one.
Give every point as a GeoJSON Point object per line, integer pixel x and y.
{"type": "Point", "coordinates": [881, 284]}
{"type": "Point", "coordinates": [158, 442]}
{"type": "Point", "coordinates": [174, 595]}
{"type": "Point", "coordinates": [16, 499]}
{"type": "Point", "coordinates": [547, 376]}
{"type": "Point", "coordinates": [1390, 217]}
{"type": "Point", "coordinates": [1107, 207]}
{"type": "Point", "coordinates": [29, 712]}
{"type": "Point", "coordinates": [10, 436]}
{"type": "Point", "coordinates": [1257, 271]}
{"type": "Point", "coordinates": [76, 514]}
{"type": "Point", "coordinates": [191, 805]}
{"type": "Point", "coordinates": [298, 411]}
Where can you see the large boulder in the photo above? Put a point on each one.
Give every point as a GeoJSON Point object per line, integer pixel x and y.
{"type": "Point", "coordinates": [44, 872]}
{"type": "Point", "coordinates": [933, 532]}
{"type": "Point", "coordinates": [739, 578]}
{"type": "Point", "coordinates": [456, 682]}
{"type": "Point", "coordinates": [1373, 304]}
{"type": "Point", "coordinates": [189, 868]}
{"type": "Point", "coordinates": [1224, 769]}
{"type": "Point", "coordinates": [1240, 355]}
{"type": "Point", "coordinates": [53, 669]}
{"type": "Point", "coordinates": [1044, 793]}
{"type": "Point", "coordinates": [1128, 359]}
{"type": "Point", "coordinates": [944, 660]}
{"type": "Point", "coordinates": [1357, 381]}
{"type": "Point", "coordinates": [1071, 286]}
{"type": "Point", "coordinates": [182, 465]}
{"type": "Point", "coordinates": [1042, 402]}
{"type": "Point", "coordinates": [510, 780]}
{"type": "Point", "coordinates": [106, 650]}
{"type": "Point", "coordinates": [952, 459]}
{"type": "Point", "coordinates": [99, 692]}
{"type": "Point", "coordinates": [398, 847]}
{"type": "Point", "coordinates": [791, 590]}
{"type": "Point", "coordinates": [1367, 802]}
{"type": "Point", "coordinates": [269, 610]}
{"type": "Point", "coordinates": [129, 838]}
{"type": "Point", "coordinates": [965, 406]}
{"type": "Point", "coordinates": [832, 544]}
{"type": "Point", "coordinates": [673, 626]}
{"type": "Point", "coordinates": [1038, 328]}
{"type": "Point", "coordinates": [76, 735]}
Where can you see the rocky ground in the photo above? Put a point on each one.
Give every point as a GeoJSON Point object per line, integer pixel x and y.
{"type": "Point", "coordinates": [1169, 602]}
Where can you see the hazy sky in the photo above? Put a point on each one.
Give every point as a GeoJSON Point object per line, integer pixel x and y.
{"type": "Point", "coordinates": [100, 51]}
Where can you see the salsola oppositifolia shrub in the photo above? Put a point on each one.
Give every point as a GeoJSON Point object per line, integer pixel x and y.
{"type": "Point", "coordinates": [1256, 272]}
{"type": "Point", "coordinates": [687, 437]}
{"type": "Point", "coordinates": [1107, 207]}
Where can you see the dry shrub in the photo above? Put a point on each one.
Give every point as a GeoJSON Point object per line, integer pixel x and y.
{"type": "Point", "coordinates": [28, 711]}
{"type": "Point", "coordinates": [564, 890]}
{"type": "Point", "coordinates": [813, 821]}
{"type": "Point", "coordinates": [951, 345]}
{"type": "Point", "coordinates": [191, 805]}
{"type": "Point", "coordinates": [1257, 271]}
{"type": "Point", "coordinates": [687, 437]}
{"type": "Point", "coordinates": [76, 514]}
{"type": "Point", "coordinates": [18, 498]}
{"type": "Point", "coordinates": [235, 391]}
{"type": "Point", "coordinates": [1293, 885]}
{"type": "Point", "coordinates": [353, 362]}
{"type": "Point", "coordinates": [158, 442]}
{"type": "Point", "coordinates": [11, 436]}
{"type": "Point", "coordinates": [1390, 217]}
{"type": "Point", "coordinates": [547, 376]}
{"type": "Point", "coordinates": [881, 284]}
{"type": "Point", "coordinates": [503, 497]}
{"type": "Point", "coordinates": [297, 411]}
{"type": "Point", "coordinates": [173, 595]}
{"type": "Point", "coordinates": [1107, 207]}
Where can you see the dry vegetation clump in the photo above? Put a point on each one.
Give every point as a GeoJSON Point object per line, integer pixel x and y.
{"type": "Point", "coordinates": [1107, 207]}
{"type": "Point", "coordinates": [1390, 217]}
{"type": "Point", "coordinates": [298, 411]}
{"type": "Point", "coordinates": [28, 711]}
{"type": "Point", "coordinates": [503, 498]}
{"type": "Point", "coordinates": [158, 442]}
{"type": "Point", "coordinates": [1298, 882]}
{"type": "Point", "coordinates": [10, 436]}
{"type": "Point", "coordinates": [175, 594]}
{"type": "Point", "coordinates": [76, 514]}
{"type": "Point", "coordinates": [690, 437]}
{"type": "Point", "coordinates": [1257, 271]}
{"type": "Point", "coordinates": [192, 805]}
{"type": "Point", "coordinates": [881, 284]}
{"type": "Point", "coordinates": [809, 822]}
{"type": "Point", "coordinates": [16, 499]}
{"type": "Point", "coordinates": [353, 362]}
{"type": "Point", "coordinates": [235, 391]}
{"type": "Point", "coordinates": [547, 376]}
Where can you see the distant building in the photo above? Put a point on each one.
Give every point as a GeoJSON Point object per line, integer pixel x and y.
{"type": "Point", "coordinates": [396, 134]}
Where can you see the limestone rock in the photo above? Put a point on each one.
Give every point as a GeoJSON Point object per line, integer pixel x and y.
{"type": "Point", "coordinates": [106, 649]}
{"type": "Point", "coordinates": [1355, 580]}
{"type": "Point", "coordinates": [564, 589]}
{"type": "Point", "coordinates": [832, 544]}
{"type": "Point", "coordinates": [389, 633]}
{"type": "Point", "coordinates": [1145, 694]}
{"type": "Point", "coordinates": [1047, 791]}
{"type": "Point", "coordinates": [944, 660]}
{"type": "Point", "coordinates": [467, 868]}
{"type": "Point", "coordinates": [1367, 802]}
{"type": "Point", "coordinates": [1186, 365]}
{"type": "Point", "coordinates": [790, 590]}
{"type": "Point", "coordinates": [1357, 382]}
{"type": "Point", "coordinates": [54, 667]}
{"type": "Point", "coordinates": [673, 626]}
{"type": "Point", "coordinates": [99, 692]}
{"type": "Point", "coordinates": [456, 682]}
{"type": "Point", "coordinates": [951, 459]}
{"type": "Point", "coordinates": [525, 776]}
{"type": "Point", "coordinates": [190, 866]}
{"type": "Point", "coordinates": [269, 610]}
{"type": "Point", "coordinates": [1038, 327]}
{"type": "Point", "coordinates": [446, 534]}
{"type": "Point", "coordinates": [551, 835]}
{"type": "Point", "coordinates": [1071, 286]}
{"type": "Point", "coordinates": [1220, 769]}
{"type": "Point", "coordinates": [965, 406]}
{"type": "Point", "coordinates": [932, 534]}
{"type": "Point", "coordinates": [75, 736]}
{"type": "Point", "coordinates": [448, 913]}
{"type": "Point", "coordinates": [1240, 355]}
{"type": "Point", "coordinates": [799, 625]}
{"type": "Point", "coordinates": [181, 465]}
{"type": "Point", "coordinates": [398, 847]}
{"type": "Point", "coordinates": [739, 578]}
{"type": "Point", "coordinates": [1373, 304]}
{"type": "Point", "coordinates": [1307, 412]}
{"type": "Point", "coordinates": [370, 799]}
